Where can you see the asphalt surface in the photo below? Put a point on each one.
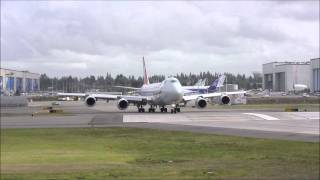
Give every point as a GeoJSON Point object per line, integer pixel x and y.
{"type": "Point", "coordinates": [300, 126]}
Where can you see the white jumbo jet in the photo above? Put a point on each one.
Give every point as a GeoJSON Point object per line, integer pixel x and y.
{"type": "Point", "coordinates": [168, 92]}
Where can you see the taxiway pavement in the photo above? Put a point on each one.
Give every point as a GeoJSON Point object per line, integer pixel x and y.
{"type": "Point", "coordinates": [302, 126]}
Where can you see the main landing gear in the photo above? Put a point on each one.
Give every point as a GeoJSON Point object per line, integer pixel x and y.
{"type": "Point", "coordinates": [163, 109]}
{"type": "Point", "coordinates": [152, 109]}
{"type": "Point", "coordinates": [140, 108]}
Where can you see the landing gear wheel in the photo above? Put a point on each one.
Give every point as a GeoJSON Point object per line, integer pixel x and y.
{"type": "Point", "coordinates": [175, 110]}
{"type": "Point", "coordinates": [163, 109]}
{"type": "Point", "coordinates": [151, 109]}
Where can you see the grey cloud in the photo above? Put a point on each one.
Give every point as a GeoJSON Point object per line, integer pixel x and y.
{"type": "Point", "coordinates": [97, 37]}
{"type": "Point", "coordinates": [304, 11]}
{"type": "Point", "coordinates": [257, 29]}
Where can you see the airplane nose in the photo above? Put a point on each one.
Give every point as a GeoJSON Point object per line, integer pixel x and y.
{"type": "Point", "coordinates": [173, 91]}
{"type": "Point", "coordinates": [178, 91]}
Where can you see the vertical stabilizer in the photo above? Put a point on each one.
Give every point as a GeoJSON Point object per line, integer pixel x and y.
{"type": "Point", "coordinates": [217, 83]}
{"type": "Point", "coordinates": [198, 83]}
{"type": "Point", "coordinates": [221, 80]}
{"type": "Point", "coordinates": [203, 82]}
{"type": "Point", "coordinates": [145, 75]}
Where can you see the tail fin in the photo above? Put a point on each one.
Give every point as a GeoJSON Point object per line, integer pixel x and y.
{"type": "Point", "coordinates": [198, 83]}
{"type": "Point", "coordinates": [203, 82]}
{"type": "Point", "coordinates": [145, 75]}
{"type": "Point", "coordinates": [217, 83]}
{"type": "Point", "coordinates": [221, 80]}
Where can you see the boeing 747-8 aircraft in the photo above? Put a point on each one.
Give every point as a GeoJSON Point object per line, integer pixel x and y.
{"type": "Point", "coordinates": [168, 92]}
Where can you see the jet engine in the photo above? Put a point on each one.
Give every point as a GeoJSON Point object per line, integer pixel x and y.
{"type": "Point", "coordinates": [90, 101]}
{"type": "Point", "coordinates": [201, 103]}
{"type": "Point", "coordinates": [123, 104]}
{"type": "Point", "coordinates": [225, 100]}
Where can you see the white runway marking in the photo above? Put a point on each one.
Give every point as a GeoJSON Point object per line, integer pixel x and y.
{"type": "Point", "coordinates": [153, 118]}
{"type": "Point", "coordinates": [263, 116]}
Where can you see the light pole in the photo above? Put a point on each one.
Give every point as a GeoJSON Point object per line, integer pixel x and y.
{"type": "Point", "coordinates": [52, 86]}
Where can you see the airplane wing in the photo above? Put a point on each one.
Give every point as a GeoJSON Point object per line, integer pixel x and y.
{"type": "Point", "coordinates": [72, 94]}
{"type": "Point", "coordinates": [195, 96]}
{"type": "Point", "coordinates": [127, 87]}
{"type": "Point", "coordinates": [129, 98]}
{"type": "Point", "coordinates": [210, 95]}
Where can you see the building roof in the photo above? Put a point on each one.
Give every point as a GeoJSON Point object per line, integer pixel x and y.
{"type": "Point", "coordinates": [289, 63]}
{"type": "Point", "coordinates": [23, 71]}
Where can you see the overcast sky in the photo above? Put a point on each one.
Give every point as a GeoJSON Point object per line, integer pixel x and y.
{"type": "Point", "coordinates": [82, 38]}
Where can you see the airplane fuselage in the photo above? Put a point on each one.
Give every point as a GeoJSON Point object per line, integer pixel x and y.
{"type": "Point", "coordinates": [167, 92]}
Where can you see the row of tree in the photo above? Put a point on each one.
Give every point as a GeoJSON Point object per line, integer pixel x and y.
{"type": "Point", "coordinates": [106, 83]}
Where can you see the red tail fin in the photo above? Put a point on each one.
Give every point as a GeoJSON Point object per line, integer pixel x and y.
{"type": "Point", "coordinates": [145, 75]}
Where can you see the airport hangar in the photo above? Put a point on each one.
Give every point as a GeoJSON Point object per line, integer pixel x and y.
{"type": "Point", "coordinates": [281, 76]}
{"type": "Point", "coordinates": [14, 81]}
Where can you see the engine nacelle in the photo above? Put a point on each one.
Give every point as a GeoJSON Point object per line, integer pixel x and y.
{"type": "Point", "coordinates": [201, 103]}
{"type": "Point", "coordinates": [225, 100]}
{"type": "Point", "coordinates": [90, 101]}
{"type": "Point", "coordinates": [123, 104]}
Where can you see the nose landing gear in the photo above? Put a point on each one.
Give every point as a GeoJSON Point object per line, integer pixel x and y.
{"type": "Point", "coordinates": [175, 108]}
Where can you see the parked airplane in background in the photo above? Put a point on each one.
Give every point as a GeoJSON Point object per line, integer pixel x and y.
{"type": "Point", "coordinates": [299, 87]}
{"type": "Point", "coordinates": [200, 82]}
{"type": "Point", "coordinates": [168, 92]}
{"type": "Point", "coordinates": [206, 89]}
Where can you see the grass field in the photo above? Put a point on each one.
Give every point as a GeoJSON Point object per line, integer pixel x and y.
{"type": "Point", "coordinates": [130, 153]}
